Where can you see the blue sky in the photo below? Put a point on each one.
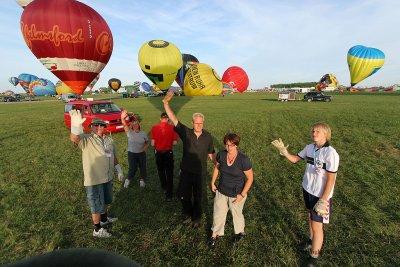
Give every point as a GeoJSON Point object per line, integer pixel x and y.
{"type": "Point", "coordinates": [280, 41]}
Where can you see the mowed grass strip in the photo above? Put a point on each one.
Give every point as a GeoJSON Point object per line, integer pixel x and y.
{"type": "Point", "coordinates": [43, 204]}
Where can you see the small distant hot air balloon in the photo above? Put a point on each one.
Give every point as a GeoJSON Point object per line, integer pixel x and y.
{"type": "Point", "coordinates": [63, 89]}
{"type": "Point", "coordinates": [363, 62]}
{"type": "Point", "coordinates": [146, 87]}
{"type": "Point", "coordinates": [160, 61]}
{"type": "Point", "coordinates": [69, 38]}
{"type": "Point", "coordinates": [188, 61]}
{"type": "Point", "coordinates": [23, 3]}
{"type": "Point", "coordinates": [13, 80]}
{"type": "Point", "coordinates": [328, 80]}
{"type": "Point", "coordinates": [202, 80]}
{"type": "Point", "coordinates": [25, 79]}
{"type": "Point", "coordinates": [114, 84]}
{"type": "Point", "coordinates": [91, 85]}
{"type": "Point", "coordinates": [237, 78]}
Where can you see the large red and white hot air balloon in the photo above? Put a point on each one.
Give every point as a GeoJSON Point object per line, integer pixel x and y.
{"type": "Point", "coordinates": [69, 38]}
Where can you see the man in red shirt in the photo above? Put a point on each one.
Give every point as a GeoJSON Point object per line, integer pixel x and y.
{"type": "Point", "coordinates": [163, 137]}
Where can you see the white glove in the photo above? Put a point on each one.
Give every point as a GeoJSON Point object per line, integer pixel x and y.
{"type": "Point", "coordinates": [280, 146]}
{"type": "Point", "coordinates": [76, 122]}
{"type": "Point", "coordinates": [120, 174]}
{"type": "Point", "coordinates": [322, 207]}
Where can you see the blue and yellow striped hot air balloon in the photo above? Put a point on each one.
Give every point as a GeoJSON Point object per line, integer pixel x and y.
{"type": "Point", "coordinates": [363, 62]}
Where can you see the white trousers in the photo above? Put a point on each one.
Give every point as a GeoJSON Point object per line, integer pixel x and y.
{"type": "Point", "coordinates": [222, 204]}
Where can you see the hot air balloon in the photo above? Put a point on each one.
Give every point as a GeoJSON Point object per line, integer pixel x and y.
{"type": "Point", "coordinates": [237, 78]}
{"type": "Point", "coordinates": [227, 88]}
{"type": "Point", "coordinates": [63, 89]}
{"type": "Point", "coordinates": [13, 80]}
{"type": "Point", "coordinates": [91, 85]}
{"type": "Point", "coordinates": [69, 38]}
{"type": "Point", "coordinates": [42, 87]}
{"type": "Point", "coordinates": [160, 61]}
{"type": "Point", "coordinates": [328, 80]}
{"type": "Point", "coordinates": [202, 80]}
{"type": "Point", "coordinates": [146, 87]}
{"type": "Point", "coordinates": [25, 79]}
{"type": "Point", "coordinates": [188, 61]}
{"type": "Point", "coordinates": [114, 84]}
{"type": "Point", "coordinates": [363, 62]}
{"type": "Point", "coordinates": [24, 3]}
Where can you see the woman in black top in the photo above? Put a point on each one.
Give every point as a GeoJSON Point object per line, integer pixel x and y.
{"type": "Point", "coordinates": [236, 177]}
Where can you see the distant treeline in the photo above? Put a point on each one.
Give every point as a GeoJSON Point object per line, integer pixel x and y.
{"type": "Point", "coordinates": [291, 85]}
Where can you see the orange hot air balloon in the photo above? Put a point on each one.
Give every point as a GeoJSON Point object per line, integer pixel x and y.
{"type": "Point", "coordinates": [237, 78]}
{"type": "Point", "coordinates": [69, 38]}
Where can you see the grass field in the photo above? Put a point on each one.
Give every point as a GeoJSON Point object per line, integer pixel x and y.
{"type": "Point", "coordinates": [43, 204]}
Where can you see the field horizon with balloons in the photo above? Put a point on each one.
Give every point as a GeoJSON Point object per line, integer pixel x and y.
{"type": "Point", "coordinates": [44, 205]}
{"type": "Point", "coordinates": [43, 201]}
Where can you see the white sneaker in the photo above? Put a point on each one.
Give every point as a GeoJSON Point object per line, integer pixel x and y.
{"type": "Point", "coordinates": [102, 233]}
{"type": "Point", "coordinates": [109, 220]}
{"type": "Point", "coordinates": [142, 183]}
{"type": "Point", "coordinates": [127, 182]}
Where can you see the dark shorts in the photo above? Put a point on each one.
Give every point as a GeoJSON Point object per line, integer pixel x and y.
{"type": "Point", "coordinates": [99, 196]}
{"type": "Point", "coordinates": [310, 201]}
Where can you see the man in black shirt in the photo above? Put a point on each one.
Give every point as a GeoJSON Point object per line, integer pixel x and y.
{"type": "Point", "coordinates": [197, 146]}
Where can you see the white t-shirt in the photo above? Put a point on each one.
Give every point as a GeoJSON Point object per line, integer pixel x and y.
{"type": "Point", "coordinates": [319, 162]}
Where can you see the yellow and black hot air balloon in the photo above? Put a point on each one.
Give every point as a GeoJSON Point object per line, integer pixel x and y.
{"type": "Point", "coordinates": [160, 62]}
{"type": "Point", "coordinates": [114, 84]}
{"type": "Point", "coordinates": [202, 80]}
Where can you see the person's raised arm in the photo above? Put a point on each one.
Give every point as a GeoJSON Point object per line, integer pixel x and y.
{"type": "Point", "coordinates": [124, 114]}
{"type": "Point", "coordinates": [278, 144]}
{"type": "Point", "coordinates": [76, 125]}
{"type": "Point", "coordinates": [168, 110]}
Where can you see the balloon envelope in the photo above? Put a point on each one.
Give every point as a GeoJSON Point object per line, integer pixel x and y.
{"type": "Point", "coordinates": [91, 85]}
{"type": "Point", "coordinates": [202, 80]}
{"type": "Point", "coordinates": [188, 61]}
{"type": "Point", "coordinates": [160, 61]}
{"type": "Point", "coordinates": [25, 79]}
{"type": "Point", "coordinates": [13, 80]}
{"type": "Point", "coordinates": [363, 62]}
{"type": "Point", "coordinates": [114, 84]}
{"type": "Point", "coordinates": [237, 78]}
{"type": "Point", "coordinates": [146, 87]}
{"type": "Point", "coordinates": [328, 80]}
{"type": "Point", "coordinates": [69, 38]}
{"type": "Point", "coordinates": [62, 88]}
{"type": "Point", "coordinates": [42, 87]}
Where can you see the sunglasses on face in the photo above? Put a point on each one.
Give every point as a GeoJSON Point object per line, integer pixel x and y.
{"type": "Point", "coordinates": [97, 125]}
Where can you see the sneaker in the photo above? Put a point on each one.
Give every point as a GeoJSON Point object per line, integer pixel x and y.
{"type": "Point", "coordinates": [127, 182]}
{"type": "Point", "coordinates": [310, 262]}
{"type": "Point", "coordinates": [211, 242]}
{"type": "Point", "coordinates": [102, 233]}
{"type": "Point", "coordinates": [142, 183]}
{"type": "Point", "coordinates": [239, 236]}
{"type": "Point", "coordinates": [109, 220]}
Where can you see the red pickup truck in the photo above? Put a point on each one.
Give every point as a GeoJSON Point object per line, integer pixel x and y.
{"type": "Point", "coordinates": [106, 110]}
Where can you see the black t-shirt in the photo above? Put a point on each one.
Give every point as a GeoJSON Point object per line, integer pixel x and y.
{"type": "Point", "coordinates": [195, 150]}
{"type": "Point", "coordinates": [232, 178]}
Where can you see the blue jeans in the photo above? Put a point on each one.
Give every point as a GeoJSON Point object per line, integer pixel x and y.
{"type": "Point", "coordinates": [99, 196]}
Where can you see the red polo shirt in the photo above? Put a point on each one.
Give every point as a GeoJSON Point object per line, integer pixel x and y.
{"type": "Point", "coordinates": [163, 135]}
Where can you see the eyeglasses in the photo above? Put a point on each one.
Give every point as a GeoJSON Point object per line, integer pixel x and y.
{"type": "Point", "coordinates": [97, 125]}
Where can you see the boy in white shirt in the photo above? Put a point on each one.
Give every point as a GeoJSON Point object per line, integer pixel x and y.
{"type": "Point", "coordinates": [318, 182]}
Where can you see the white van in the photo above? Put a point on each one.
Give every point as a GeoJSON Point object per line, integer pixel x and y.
{"type": "Point", "coordinates": [69, 97]}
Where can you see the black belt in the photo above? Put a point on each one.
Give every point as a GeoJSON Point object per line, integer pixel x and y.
{"type": "Point", "coordinates": [163, 151]}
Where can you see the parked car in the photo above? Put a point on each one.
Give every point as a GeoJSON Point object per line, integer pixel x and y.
{"type": "Point", "coordinates": [69, 97]}
{"type": "Point", "coordinates": [317, 96]}
{"type": "Point", "coordinates": [106, 110]}
{"type": "Point", "coordinates": [9, 98]}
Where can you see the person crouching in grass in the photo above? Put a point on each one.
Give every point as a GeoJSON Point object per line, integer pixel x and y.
{"type": "Point", "coordinates": [318, 183]}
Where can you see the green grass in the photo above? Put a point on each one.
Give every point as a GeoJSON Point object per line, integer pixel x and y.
{"type": "Point", "coordinates": [43, 204]}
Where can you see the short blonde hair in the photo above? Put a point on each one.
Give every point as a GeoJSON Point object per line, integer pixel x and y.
{"type": "Point", "coordinates": [201, 115]}
{"type": "Point", "coordinates": [324, 127]}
